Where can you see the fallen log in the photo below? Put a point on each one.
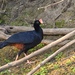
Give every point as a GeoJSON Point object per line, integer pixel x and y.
{"type": "Point", "coordinates": [51, 56]}
{"type": "Point", "coordinates": [45, 48]}
{"type": "Point", "coordinates": [50, 41]}
{"type": "Point", "coordinates": [3, 36]}
{"type": "Point", "coordinates": [47, 31]}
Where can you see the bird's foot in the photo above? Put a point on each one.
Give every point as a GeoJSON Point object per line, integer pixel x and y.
{"type": "Point", "coordinates": [30, 62]}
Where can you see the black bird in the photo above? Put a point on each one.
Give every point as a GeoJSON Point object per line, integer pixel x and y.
{"type": "Point", "coordinates": [25, 40]}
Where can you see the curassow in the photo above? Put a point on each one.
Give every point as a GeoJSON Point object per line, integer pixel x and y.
{"type": "Point", "coordinates": [25, 40]}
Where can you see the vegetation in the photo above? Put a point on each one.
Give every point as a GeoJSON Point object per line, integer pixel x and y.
{"type": "Point", "coordinates": [60, 24]}
{"type": "Point", "coordinates": [43, 71]}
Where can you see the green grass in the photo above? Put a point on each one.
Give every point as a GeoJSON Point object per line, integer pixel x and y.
{"type": "Point", "coordinates": [7, 60]}
{"type": "Point", "coordinates": [43, 71]}
{"type": "Point", "coordinates": [2, 21]}
{"type": "Point", "coordinates": [60, 24]}
{"type": "Point", "coordinates": [7, 72]}
{"type": "Point", "coordinates": [59, 56]}
{"type": "Point", "coordinates": [68, 62]}
{"type": "Point", "coordinates": [73, 69]}
{"type": "Point", "coordinates": [56, 66]}
{"type": "Point", "coordinates": [36, 48]}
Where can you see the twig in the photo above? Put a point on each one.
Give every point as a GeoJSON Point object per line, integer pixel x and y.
{"type": "Point", "coordinates": [1, 9]}
{"type": "Point", "coordinates": [51, 5]}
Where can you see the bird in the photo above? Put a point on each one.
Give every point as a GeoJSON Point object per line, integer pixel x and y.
{"type": "Point", "coordinates": [25, 40]}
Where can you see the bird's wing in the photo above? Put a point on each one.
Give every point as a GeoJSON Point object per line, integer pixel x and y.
{"type": "Point", "coordinates": [22, 37]}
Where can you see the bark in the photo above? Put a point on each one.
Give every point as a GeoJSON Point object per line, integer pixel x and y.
{"type": "Point", "coordinates": [45, 48]}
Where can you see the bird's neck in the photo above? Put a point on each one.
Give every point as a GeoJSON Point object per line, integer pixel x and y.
{"type": "Point", "coordinates": [39, 30]}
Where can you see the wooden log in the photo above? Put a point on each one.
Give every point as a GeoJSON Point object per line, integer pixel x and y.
{"type": "Point", "coordinates": [50, 41]}
{"type": "Point", "coordinates": [57, 31]}
{"type": "Point", "coordinates": [51, 56]}
{"type": "Point", "coordinates": [47, 31]}
{"type": "Point", "coordinates": [3, 35]}
{"type": "Point", "coordinates": [45, 48]}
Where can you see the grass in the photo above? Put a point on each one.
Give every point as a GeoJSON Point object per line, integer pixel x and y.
{"type": "Point", "coordinates": [56, 66]}
{"type": "Point", "coordinates": [7, 72]}
{"type": "Point", "coordinates": [37, 47]}
{"type": "Point", "coordinates": [59, 56]}
{"type": "Point", "coordinates": [43, 71]}
{"type": "Point", "coordinates": [2, 21]}
{"type": "Point", "coordinates": [60, 24]}
{"type": "Point", "coordinates": [6, 60]}
{"type": "Point", "coordinates": [68, 62]}
{"type": "Point", "coordinates": [73, 69]}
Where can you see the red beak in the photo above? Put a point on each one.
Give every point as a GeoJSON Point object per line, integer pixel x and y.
{"type": "Point", "coordinates": [41, 21]}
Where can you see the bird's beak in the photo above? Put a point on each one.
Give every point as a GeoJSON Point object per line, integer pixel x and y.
{"type": "Point", "coordinates": [41, 21]}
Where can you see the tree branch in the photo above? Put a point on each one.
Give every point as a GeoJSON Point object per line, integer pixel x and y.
{"type": "Point", "coordinates": [51, 5]}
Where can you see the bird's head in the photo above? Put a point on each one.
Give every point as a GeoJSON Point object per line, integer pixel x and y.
{"type": "Point", "coordinates": [38, 22]}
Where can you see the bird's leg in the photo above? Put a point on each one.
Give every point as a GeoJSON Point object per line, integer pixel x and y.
{"type": "Point", "coordinates": [28, 62]}
{"type": "Point", "coordinates": [16, 57]}
{"type": "Point", "coordinates": [19, 53]}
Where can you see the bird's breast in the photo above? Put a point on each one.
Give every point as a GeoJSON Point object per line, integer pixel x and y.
{"type": "Point", "coordinates": [18, 45]}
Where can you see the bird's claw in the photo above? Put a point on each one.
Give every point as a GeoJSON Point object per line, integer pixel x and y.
{"type": "Point", "coordinates": [30, 62]}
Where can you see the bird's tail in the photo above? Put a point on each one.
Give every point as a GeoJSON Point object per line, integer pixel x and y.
{"type": "Point", "coordinates": [3, 44]}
